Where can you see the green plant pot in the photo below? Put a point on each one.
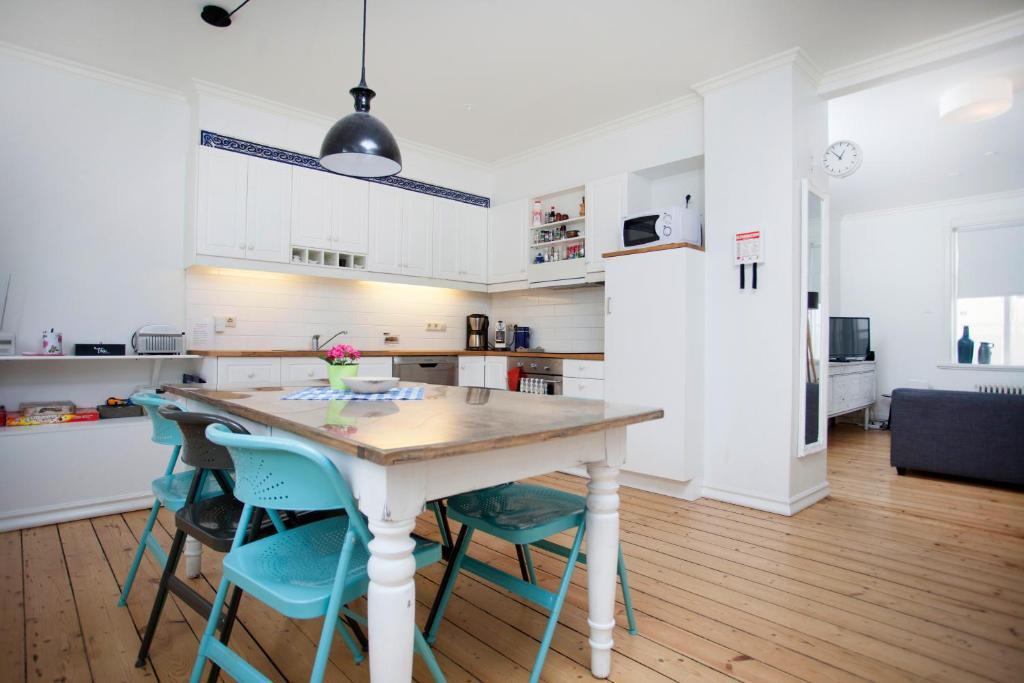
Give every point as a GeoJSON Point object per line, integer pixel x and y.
{"type": "Point", "coordinates": [336, 374]}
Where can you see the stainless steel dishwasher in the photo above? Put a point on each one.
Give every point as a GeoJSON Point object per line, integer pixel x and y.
{"type": "Point", "coordinates": [427, 369]}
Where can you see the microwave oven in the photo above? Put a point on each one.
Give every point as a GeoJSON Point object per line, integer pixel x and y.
{"type": "Point", "coordinates": [674, 224]}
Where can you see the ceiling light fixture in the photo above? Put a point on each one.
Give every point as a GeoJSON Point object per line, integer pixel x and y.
{"type": "Point", "coordinates": [359, 144]}
{"type": "Point", "coordinates": [977, 100]}
{"type": "Point", "coordinates": [215, 15]}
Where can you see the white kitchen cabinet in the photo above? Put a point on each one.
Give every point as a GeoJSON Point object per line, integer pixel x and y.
{"type": "Point", "coordinates": [417, 234]}
{"type": "Point", "coordinates": [349, 207]}
{"type": "Point", "coordinates": [248, 373]}
{"type": "Point", "coordinates": [579, 387]}
{"type": "Point", "coordinates": [460, 241]}
{"type": "Point", "coordinates": [329, 211]}
{"type": "Point", "coordinates": [637, 369]}
{"type": "Point", "coordinates": [401, 231]}
{"type": "Point", "coordinates": [606, 205]}
{"type": "Point", "coordinates": [220, 216]}
{"type": "Point", "coordinates": [472, 371]}
{"type": "Point", "coordinates": [268, 211]}
{"type": "Point", "coordinates": [377, 366]}
{"type": "Point", "coordinates": [495, 372]}
{"type": "Point", "coordinates": [302, 370]}
{"type": "Point", "coordinates": [506, 245]}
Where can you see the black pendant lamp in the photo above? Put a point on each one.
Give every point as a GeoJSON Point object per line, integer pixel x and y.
{"type": "Point", "coordinates": [359, 144]}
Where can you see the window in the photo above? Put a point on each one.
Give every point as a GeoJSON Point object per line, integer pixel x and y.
{"type": "Point", "coordinates": [989, 292]}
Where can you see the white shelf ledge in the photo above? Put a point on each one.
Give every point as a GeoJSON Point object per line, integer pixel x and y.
{"type": "Point", "coordinates": [555, 224]}
{"type": "Point", "coordinates": [978, 366]}
{"type": "Point", "coordinates": [540, 245]}
{"type": "Point", "coordinates": [92, 358]}
{"type": "Point", "coordinates": [29, 430]}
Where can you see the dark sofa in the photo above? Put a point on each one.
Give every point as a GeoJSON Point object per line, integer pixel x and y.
{"type": "Point", "coordinates": [961, 433]}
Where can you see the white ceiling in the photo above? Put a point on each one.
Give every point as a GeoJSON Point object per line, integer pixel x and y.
{"type": "Point", "coordinates": [913, 157]}
{"type": "Point", "coordinates": [533, 70]}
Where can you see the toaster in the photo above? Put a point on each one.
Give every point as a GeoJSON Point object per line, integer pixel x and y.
{"type": "Point", "coordinates": [158, 340]}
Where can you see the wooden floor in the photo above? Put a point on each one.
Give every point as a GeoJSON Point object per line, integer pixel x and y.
{"type": "Point", "coordinates": [890, 579]}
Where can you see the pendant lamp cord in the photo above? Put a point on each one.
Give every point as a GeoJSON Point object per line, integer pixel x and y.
{"type": "Point", "coordinates": [239, 7]}
{"type": "Point", "coordinates": [362, 75]}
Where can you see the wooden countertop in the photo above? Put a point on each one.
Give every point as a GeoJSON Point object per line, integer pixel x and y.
{"type": "Point", "coordinates": [448, 421]}
{"type": "Point", "coordinates": [295, 353]}
{"type": "Point", "coordinates": [644, 250]}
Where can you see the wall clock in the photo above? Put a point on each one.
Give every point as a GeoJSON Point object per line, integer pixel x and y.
{"type": "Point", "coordinates": [842, 158]}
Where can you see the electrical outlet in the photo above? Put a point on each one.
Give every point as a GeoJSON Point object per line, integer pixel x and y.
{"type": "Point", "coordinates": [436, 327]}
{"type": "Point", "coordinates": [229, 321]}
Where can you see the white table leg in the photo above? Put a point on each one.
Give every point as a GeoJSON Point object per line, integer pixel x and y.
{"type": "Point", "coordinates": [193, 557]}
{"type": "Point", "coordinates": [602, 559]}
{"type": "Point", "coordinates": [391, 601]}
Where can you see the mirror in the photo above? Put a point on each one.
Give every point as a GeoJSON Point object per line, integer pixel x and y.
{"type": "Point", "coordinates": [814, 372]}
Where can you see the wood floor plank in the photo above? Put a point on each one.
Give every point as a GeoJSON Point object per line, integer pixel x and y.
{"type": "Point", "coordinates": [12, 608]}
{"type": "Point", "coordinates": [111, 641]}
{"type": "Point", "coordinates": [54, 645]}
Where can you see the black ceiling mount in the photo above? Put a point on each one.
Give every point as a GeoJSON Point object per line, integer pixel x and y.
{"type": "Point", "coordinates": [215, 15]}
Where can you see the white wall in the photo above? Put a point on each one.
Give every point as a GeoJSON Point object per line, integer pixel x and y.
{"type": "Point", "coordinates": [276, 311]}
{"type": "Point", "coordinates": [895, 269]}
{"type": "Point", "coordinates": [652, 140]}
{"type": "Point", "coordinates": [560, 320]}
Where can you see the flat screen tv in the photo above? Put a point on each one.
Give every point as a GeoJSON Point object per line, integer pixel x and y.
{"type": "Point", "coordinates": [849, 338]}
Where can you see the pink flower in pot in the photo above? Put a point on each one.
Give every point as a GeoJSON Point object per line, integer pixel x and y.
{"type": "Point", "coordinates": [343, 361]}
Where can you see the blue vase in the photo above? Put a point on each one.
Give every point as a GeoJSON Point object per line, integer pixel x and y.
{"type": "Point", "coordinates": [985, 353]}
{"type": "Point", "coordinates": [965, 347]}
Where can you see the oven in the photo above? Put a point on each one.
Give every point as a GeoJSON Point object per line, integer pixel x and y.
{"type": "Point", "coordinates": [539, 375]}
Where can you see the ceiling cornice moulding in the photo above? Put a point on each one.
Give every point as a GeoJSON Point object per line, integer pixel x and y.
{"type": "Point", "coordinates": [927, 206]}
{"type": "Point", "coordinates": [792, 57]}
{"type": "Point", "coordinates": [947, 46]}
{"type": "Point", "coordinates": [665, 108]}
{"type": "Point", "coordinates": [93, 72]}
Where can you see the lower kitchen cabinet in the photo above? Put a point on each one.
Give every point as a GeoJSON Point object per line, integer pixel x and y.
{"type": "Point", "coordinates": [302, 370]}
{"type": "Point", "coordinates": [496, 372]}
{"type": "Point", "coordinates": [248, 373]}
{"type": "Point", "coordinates": [579, 387]}
{"type": "Point", "coordinates": [472, 371]}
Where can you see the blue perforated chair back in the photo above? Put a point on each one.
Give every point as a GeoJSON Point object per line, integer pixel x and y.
{"type": "Point", "coordinates": [164, 431]}
{"type": "Point", "coordinates": [283, 474]}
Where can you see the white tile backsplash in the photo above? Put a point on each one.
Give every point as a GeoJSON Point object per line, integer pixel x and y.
{"type": "Point", "coordinates": [560, 320]}
{"type": "Point", "coordinates": [276, 311]}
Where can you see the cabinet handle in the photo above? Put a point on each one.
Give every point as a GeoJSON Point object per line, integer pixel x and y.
{"type": "Point", "coordinates": [609, 306]}
{"type": "Point", "coordinates": [251, 375]}
{"type": "Point", "coordinates": [252, 247]}
{"type": "Point", "coordinates": [242, 246]}
{"type": "Point", "coordinates": [582, 386]}
{"type": "Point", "coordinates": [309, 374]}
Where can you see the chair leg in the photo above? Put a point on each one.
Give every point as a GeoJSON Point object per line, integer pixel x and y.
{"type": "Point", "coordinates": [357, 652]}
{"type": "Point", "coordinates": [529, 564]}
{"type": "Point", "coordinates": [447, 584]}
{"type": "Point", "coordinates": [225, 631]}
{"type": "Point", "coordinates": [626, 597]}
{"type": "Point", "coordinates": [139, 552]}
{"type": "Point", "coordinates": [442, 526]}
{"type": "Point", "coordinates": [323, 649]}
{"type": "Point", "coordinates": [211, 626]}
{"type": "Point", "coordinates": [161, 597]}
{"type": "Point", "coordinates": [556, 609]}
{"type": "Point", "coordinates": [521, 556]}
{"type": "Point", "coordinates": [420, 645]}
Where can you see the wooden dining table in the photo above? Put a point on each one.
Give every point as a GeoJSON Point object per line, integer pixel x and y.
{"type": "Point", "coordinates": [397, 455]}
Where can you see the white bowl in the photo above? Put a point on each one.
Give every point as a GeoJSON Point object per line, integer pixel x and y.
{"type": "Point", "coordinates": [371, 385]}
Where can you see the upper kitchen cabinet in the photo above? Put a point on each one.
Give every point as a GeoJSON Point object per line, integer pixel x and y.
{"type": "Point", "coordinates": [506, 248]}
{"type": "Point", "coordinates": [329, 211]}
{"type": "Point", "coordinates": [220, 217]}
{"type": "Point", "coordinates": [606, 205]}
{"type": "Point", "coordinates": [401, 231]}
{"type": "Point", "coordinates": [460, 241]}
{"type": "Point", "coordinates": [243, 207]}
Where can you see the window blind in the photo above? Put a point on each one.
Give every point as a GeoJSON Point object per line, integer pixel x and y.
{"type": "Point", "coordinates": [990, 261]}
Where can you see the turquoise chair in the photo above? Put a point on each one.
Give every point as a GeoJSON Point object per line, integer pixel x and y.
{"type": "Point", "coordinates": [169, 490]}
{"type": "Point", "coordinates": [525, 515]}
{"type": "Point", "coordinates": [307, 572]}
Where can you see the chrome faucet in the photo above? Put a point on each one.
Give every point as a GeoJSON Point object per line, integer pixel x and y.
{"type": "Point", "coordinates": [316, 339]}
{"type": "Point", "coordinates": [315, 343]}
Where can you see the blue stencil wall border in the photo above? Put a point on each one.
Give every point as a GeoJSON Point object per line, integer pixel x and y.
{"type": "Point", "coordinates": [284, 156]}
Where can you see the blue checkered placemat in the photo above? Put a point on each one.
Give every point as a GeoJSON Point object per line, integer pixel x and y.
{"type": "Point", "coordinates": [328, 394]}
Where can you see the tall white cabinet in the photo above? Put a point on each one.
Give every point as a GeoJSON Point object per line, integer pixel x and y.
{"type": "Point", "coordinates": [460, 241]}
{"type": "Point", "coordinates": [606, 205]}
{"type": "Point", "coordinates": [507, 247]}
{"type": "Point", "coordinates": [243, 207]}
{"type": "Point", "coordinates": [329, 211]}
{"type": "Point", "coordinates": [654, 355]}
{"type": "Point", "coordinates": [401, 231]}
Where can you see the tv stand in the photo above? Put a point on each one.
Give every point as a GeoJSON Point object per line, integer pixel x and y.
{"type": "Point", "coordinates": [851, 387]}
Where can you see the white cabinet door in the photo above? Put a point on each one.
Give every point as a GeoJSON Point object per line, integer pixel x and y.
{"type": "Point", "coordinates": [349, 207]}
{"type": "Point", "coordinates": [220, 216]}
{"type": "Point", "coordinates": [417, 234]}
{"type": "Point", "coordinates": [472, 371]}
{"type": "Point", "coordinates": [578, 387]}
{"type": "Point", "coordinates": [385, 230]}
{"type": "Point", "coordinates": [495, 372]}
{"type": "Point", "coordinates": [247, 373]}
{"type": "Point", "coordinates": [606, 202]}
{"type": "Point", "coordinates": [302, 370]}
{"type": "Point", "coordinates": [268, 211]}
{"type": "Point", "coordinates": [506, 248]}
{"type": "Point", "coordinates": [311, 209]}
{"type": "Point", "coordinates": [377, 366]}
{"type": "Point", "coordinates": [447, 240]}
{"type": "Point", "coordinates": [472, 245]}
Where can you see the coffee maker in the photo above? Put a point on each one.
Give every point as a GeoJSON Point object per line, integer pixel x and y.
{"type": "Point", "coordinates": [500, 336]}
{"type": "Point", "coordinates": [476, 332]}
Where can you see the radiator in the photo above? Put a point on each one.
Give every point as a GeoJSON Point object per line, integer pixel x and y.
{"type": "Point", "coordinates": [1000, 389]}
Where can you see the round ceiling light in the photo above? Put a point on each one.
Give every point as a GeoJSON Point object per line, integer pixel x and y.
{"type": "Point", "coordinates": [977, 100]}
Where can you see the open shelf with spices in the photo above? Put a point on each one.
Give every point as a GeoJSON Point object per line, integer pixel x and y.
{"type": "Point", "coordinates": [556, 236]}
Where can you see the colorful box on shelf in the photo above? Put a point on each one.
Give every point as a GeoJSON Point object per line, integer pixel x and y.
{"type": "Point", "coordinates": [22, 420]}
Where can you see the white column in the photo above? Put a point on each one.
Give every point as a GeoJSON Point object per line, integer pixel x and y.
{"type": "Point", "coordinates": [602, 560]}
{"type": "Point", "coordinates": [391, 601]}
